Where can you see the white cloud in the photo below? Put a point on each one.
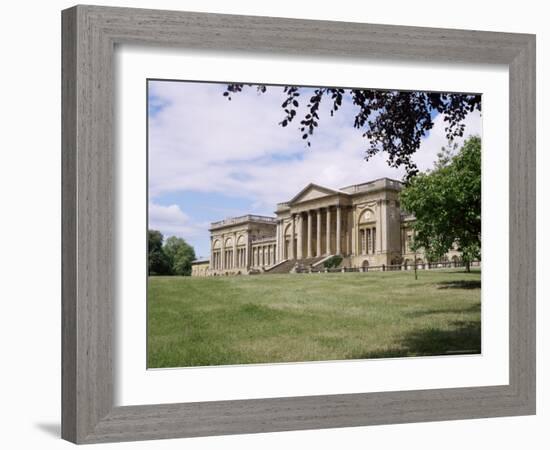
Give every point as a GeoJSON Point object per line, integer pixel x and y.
{"type": "Point", "coordinates": [171, 220]}
{"type": "Point", "coordinates": [437, 139]}
{"type": "Point", "coordinates": [200, 141]}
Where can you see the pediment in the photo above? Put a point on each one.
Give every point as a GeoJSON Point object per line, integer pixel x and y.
{"type": "Point", "coordinates": [312, 192]}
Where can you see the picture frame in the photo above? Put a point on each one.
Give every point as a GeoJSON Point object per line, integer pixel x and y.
{"type": "Point", "coordinates": [89, 37]}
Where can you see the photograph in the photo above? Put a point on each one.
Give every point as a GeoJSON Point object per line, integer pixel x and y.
{"type": "Point", "coordinates": [311, 223]}
{"type": "Point", "coordinates": [259, 225]}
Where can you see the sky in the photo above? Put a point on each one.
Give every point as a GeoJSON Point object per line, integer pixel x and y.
{"type": "Point", "coordinates": [210, 158]}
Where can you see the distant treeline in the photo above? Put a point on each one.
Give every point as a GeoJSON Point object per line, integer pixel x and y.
{"type": "Point", "coordinates": [171, 257]}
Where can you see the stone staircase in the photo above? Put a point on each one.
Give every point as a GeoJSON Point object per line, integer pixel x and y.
{"type": "Point", "coordinates": [284, 267]}
{"type": "Point", "coordinates": [304, 265]}
{"type": "Point", "coordinates": [289, 265]}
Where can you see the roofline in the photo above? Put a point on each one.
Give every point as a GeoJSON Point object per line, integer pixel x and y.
{"type": "Point", "coordinates": [371, 181]}
{"type": "Point", "coordinates": [310, 185]}
{"type": "Point", "coordinates": [240, 220]}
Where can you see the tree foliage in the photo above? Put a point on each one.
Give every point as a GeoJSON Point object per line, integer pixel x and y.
{"type": "Point", "coordinates": [158, 263]}
{"type": "Point", "coordinates": [180, 254]}
{"type": "Point", "coordinates": [447, 204]}
{"type": "Point", "coordinates": [172, 257]}
{"type": "Point", "coordinates": [333, 262]}
{"type": "Point", "coordinates": [394, 122]}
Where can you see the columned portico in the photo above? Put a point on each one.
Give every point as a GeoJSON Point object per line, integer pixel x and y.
{"type": "Point", "coordinates": [320, 225]}
{"type": "Point", "coordinates": [315, 235]}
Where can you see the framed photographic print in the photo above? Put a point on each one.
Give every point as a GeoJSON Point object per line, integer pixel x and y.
{"type": "Point", "coordinates": [278, 224]}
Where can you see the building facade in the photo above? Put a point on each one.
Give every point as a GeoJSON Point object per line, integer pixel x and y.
{"type": "Point", "coordinates": [363, 223]}
{"type": "Point", "coordinates": [200, 268]}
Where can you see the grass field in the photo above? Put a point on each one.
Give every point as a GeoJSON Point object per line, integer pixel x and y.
{"type": "Point", "coordinates": [308, 317]}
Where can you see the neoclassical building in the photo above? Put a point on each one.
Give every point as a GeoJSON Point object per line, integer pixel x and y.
{"type": "Point", "coordinates": [363, 223]}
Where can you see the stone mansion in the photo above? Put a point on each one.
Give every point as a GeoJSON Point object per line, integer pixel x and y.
{"type": "Point", "coordinates": [363, 223]}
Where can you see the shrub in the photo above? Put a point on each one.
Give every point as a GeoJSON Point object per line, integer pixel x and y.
{"type": "Point", "coordinates": [333, 261]}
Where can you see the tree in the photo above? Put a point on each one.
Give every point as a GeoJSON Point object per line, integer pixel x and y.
{"type": "Point", "coordinates": [158, 262]}
{"type": "Point", "coordinates": [180, 254]}
{"type": "Point", "coordinates": [393, 121]}
{"type": "Point", "coordinates": [447, 204]}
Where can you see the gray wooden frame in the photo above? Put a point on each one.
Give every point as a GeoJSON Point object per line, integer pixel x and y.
{"type": "Point", "coordinates": [89, 36]}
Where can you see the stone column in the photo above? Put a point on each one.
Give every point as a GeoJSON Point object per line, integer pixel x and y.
{"type": "Point", "coordinates": [292, 231]}
{"type": "Point", "coordinates": [338, 229]}
{"type": "Point", "coordinates": [234, 250]}
{"type": "Point", "coordinates": [300, 237]}
{"type": "Point", "coordinates": [277, 242]}
{"type": "Point", "coordinates": [319, 233]}
{"type": "Point", "coordinates": [246, 253]}
{"type": "Point", "coordinates": [309, 248]}
{"type": "Point", "coordinates": [284, 248]}
{"type": "Point", "coordinates": [211, 253]}
{"type": "Point", "coordinates": [380, 224]}
{"type": "Point", "coordinates": [282, 252]}
{"type": "Point", "coordinates": [355, 234]}
{"type": "Point", "coordinates": [223, 253]}
{"type": "Point", "coordinates": [329, 250]}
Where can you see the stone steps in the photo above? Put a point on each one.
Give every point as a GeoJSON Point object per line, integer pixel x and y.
{"type": "Point", "coordinates": [288, 266]}
{"type": "Point", "coordinates": [284, 267]}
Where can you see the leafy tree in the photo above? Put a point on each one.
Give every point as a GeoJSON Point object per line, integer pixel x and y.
{"type": "Point", "coordinates": [180, 254]}
{"type": "Point", "coordinates": [393, 121]}
{"type": "Point", "coordinates": [447, 204]}
{"type": "Point", "coordinates": [158, 262]}
{"type": "Point", "coordinates": [445, 155]}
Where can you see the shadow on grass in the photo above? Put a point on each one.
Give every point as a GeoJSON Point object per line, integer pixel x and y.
{"type": "Point", "coordinates": [463, 338]}
{"type": "Point", "coordinates": [444, 310]}
{"type": "Point", "coordinates": [460, 284]}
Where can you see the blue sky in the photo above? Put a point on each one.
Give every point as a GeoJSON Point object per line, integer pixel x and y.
{"type": "Point", "coordinates": [210, 158]}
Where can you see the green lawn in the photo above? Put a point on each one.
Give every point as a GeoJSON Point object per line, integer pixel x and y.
{"type": "Point", "coordinates": [308, 317]}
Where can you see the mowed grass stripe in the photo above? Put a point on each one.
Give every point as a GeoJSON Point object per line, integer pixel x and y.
{"type": "Point", "coordinates": [311, 317]}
